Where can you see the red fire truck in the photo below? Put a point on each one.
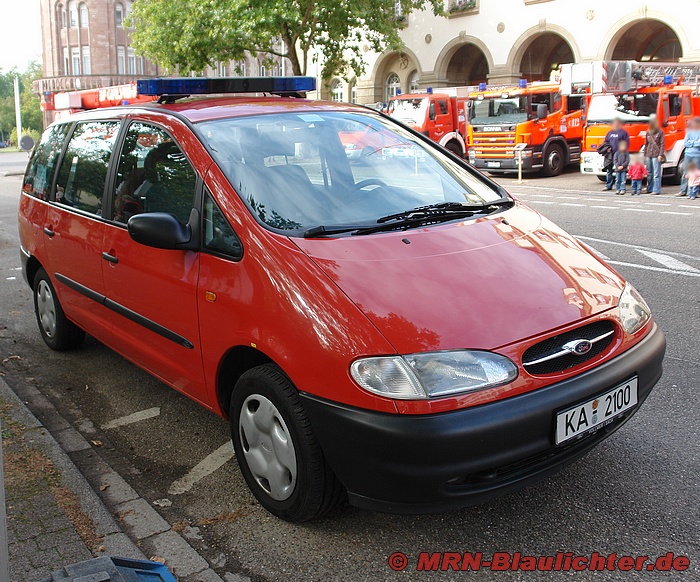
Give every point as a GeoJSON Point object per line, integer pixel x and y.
{"type": "Point", "coordinates": [439, 116]}
{"type": "Point", "coordinates": [634, 92]}
{"type": "Point", "coordinates": [539, 115]}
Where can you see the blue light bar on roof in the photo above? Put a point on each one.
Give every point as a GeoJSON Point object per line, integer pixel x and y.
{"type": "Point", "coordinates": [218, 85]}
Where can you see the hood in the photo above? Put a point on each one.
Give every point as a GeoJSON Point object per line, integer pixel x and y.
{"type": "Point", "coordinates": [478, 284]}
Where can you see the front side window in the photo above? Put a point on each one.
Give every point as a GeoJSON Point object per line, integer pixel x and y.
{"type": "Point", "coordinates": [40, 171]}
{"type": "Point", "coordinates": [297, 171]}
{"type": "Point", "coordinates": [81, 178]}
{"type": "Point", "coordinates": [153, 176]}
{"type": "Point", "coordinates": [219, 236]}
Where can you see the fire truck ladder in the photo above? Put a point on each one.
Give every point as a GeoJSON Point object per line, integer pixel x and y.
{"type": "Point", "coordinates": [651, 74]}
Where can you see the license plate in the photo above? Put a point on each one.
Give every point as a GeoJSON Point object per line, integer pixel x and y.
{"type": "Point", "coordinates": [597, 412]}
{"type": "Point", "coordinates": [493, 164]}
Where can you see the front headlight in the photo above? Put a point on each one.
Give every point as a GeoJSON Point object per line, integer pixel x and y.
{"type": "Point", "coordinates": [433, 374]}
{"type": "Point", "coordinates": [634, 312]}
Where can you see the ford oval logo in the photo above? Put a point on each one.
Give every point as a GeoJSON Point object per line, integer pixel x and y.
{"type": "Point", "coordinates": [578, 347]}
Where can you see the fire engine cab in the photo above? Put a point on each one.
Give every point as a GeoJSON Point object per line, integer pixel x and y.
{"type": "Point", "coordinates": [538, 114]}
{"type": "Point", "coordinates": [635, 92]}
{"type": "Point", "coordinates": [439, 116]}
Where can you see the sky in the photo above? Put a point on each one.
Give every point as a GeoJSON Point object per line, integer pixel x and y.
{"type": "Point", "coordinates": [20, 42]}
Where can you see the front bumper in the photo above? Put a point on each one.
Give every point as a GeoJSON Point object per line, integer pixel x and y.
{"type": "Point", "coordinates": [437, 462]}
{"type": "Point", "coordinates": [530, 164]}
{"type": "Point", "coordinates": [592, 163]}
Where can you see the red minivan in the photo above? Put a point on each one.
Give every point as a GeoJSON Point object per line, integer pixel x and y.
{"type": "Point", "coordinates": [401, 332]}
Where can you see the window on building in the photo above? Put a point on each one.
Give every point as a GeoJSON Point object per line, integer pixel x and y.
{"type": "Point", "coordinates": [413, 85]}
{"type": "Point", "coordinates": [241, 68]}
{"type": "Point", "coordinates": [75, 60]}
{"type": "Point", "coordinates": [119, 16]}
{"type": "Point", "coordinates": [353, 93]}
{"type": "Point", "coordinates": [337, 90]}
{"type": "Point", "coordinates": [121, 60]}
{"type": "Point", "coordinates": [87, 68]}
{"type": "Point", "coordinates": [132, 61]}
{"type": "Point", "coordinates": [73, 15]}
{"type": "Point", "coordinates": [153, 175]}
{"type": "Point", "coordinates": [84, 21]}
{"type": "Point", "coordinates": [61, 12]}
{"type": "Point", "coordinates": [139, 65]}
{"type": "Point", "coordinates": [81, 178]}
{"type": "Point", "coordinates": [397, 8]}
{"type": "Point", "coordinates": [66, 62]}
{"type": "Point", "coordinates": [263, 70]}
{"type": "Point", "coordinates": [393, 86]}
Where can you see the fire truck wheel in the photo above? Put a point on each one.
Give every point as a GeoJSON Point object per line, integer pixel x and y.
{"type": "Point", "coordinates": [678, 172]}
{"type": "Point", "coordinates": [553, 160]}
{"type": "Point", "coordinates": [455, 148]}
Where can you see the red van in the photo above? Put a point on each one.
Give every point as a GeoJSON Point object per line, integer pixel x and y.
{"type": "Point", "coordinates": [400, 331]}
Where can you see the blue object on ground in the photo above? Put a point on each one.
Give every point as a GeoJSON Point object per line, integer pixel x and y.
{"type": "Point", "coordinates": [112, 569]}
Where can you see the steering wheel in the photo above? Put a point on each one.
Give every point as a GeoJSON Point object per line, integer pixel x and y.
{"type": "Point", "coordinates": [368, 182]}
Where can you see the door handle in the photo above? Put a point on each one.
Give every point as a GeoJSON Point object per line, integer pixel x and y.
{"type": "Point", "coordinates": [48, 232]}
{"type": "Point", "coordinates": [110, 258]}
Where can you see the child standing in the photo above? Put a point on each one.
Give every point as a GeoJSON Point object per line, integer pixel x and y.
{"type": "Point", "coordinates": [693, 175]}
{"type": "Point", "coordinates": [637, 172]}
{"type": "Point", "coordinates": [621, 162]}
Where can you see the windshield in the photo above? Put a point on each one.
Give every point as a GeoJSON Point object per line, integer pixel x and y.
{"type": "Point", "coordinates": [408, 110]}
{"type": "Point", "coordinates": [629, 107]}
{"type": "Point", "coordinates": [295, 173]}
{"type": "Point", "coordinates": [499, 110]}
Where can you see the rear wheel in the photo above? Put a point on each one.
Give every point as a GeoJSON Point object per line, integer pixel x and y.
{"type": "Point", "coordinates": [56, 330]}
{"type": "Point", "coordinates": [678, 172]}
{"type": "Point", "coordinates": [553, 163]}
{"type": "Point", "coordinates": [276, 449]}
{"type": "Point", "coordinates": [603, 178]}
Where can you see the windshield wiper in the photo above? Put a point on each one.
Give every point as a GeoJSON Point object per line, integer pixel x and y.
{"type": "Point", "coordinates": [323, 230]}
{"type": "Point", "coordinates": [447, 209]}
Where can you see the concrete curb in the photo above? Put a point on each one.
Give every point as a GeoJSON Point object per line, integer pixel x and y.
{"type": "Point", "coordinates": [145, 529]}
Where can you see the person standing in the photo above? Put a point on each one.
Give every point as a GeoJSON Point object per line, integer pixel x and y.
{"type": "Point", "coordinates": [692, 152]}
{"type": "Point", "coordinates": [654, 149]}
{"type": "Point", "coordinates": [621, 162]}
{"type": "Point", "coordinates": [637, 172]}
{"type": "Point", "coordinates": [610, 145]}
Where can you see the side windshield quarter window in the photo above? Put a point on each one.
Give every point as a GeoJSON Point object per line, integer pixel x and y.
{"type": "Point", "coordinates": [40, 172]}
{"type": "Point", "coordinates": [81, 178]}
{"type": "Point", "coordinates": [153, 175]}
{"type": "Point", "coordinates": [218, 234]}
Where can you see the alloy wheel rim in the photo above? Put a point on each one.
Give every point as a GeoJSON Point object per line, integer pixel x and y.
{"type": "Point", "coordinates": [554, 160]}
{"type": "Point", "coordinates": [46, 309]}
{"type": "Point", "coordinates": [267, 447]}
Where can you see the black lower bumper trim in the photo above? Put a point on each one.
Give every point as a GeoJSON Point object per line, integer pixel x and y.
{"type": "Point", "coordinates": [437, 462]}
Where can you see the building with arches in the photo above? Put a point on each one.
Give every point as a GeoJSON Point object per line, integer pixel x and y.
{"type": "Point", "coordinates": [503, 41]}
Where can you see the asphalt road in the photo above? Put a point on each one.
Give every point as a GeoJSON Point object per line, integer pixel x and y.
{"type": "Point", "coordinates": [636, 494]}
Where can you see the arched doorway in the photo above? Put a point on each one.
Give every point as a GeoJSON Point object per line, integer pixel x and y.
{"type": "Point", "coordinates": [648, 40]}
{"type": "Point", "coordinates": [543, 55]}
{"type": "Point", "coordinates": [467, 66]}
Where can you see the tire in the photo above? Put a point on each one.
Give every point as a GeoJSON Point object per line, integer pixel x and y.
{"type": "Point", "coordinates": [56, 330]}
{"type": "Point", "coordinates": [554, 160]}
{"type": "Point", "coordinates": [678, 172]}
{"type": "Point", "coordinates": [455, 148]}
{"type": "Point", "coordinates": [603, 178]}
{"type": "Point", "coordinates": [276, 449]}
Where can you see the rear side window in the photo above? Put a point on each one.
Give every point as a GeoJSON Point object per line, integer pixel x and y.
{"type": "Point", "coordinates": [81, 179]}
{"type": "Point", "coordinates": [153, 175]}
{"type": "Point", "coordinates": [40, 172]}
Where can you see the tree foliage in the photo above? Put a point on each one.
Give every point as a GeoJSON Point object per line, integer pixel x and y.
{"type": "Point", "coordinates": [193, 34]}
{"type": "Point", "coordinates": [29, 102]}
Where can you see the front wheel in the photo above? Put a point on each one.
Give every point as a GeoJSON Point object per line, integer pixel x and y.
{"type": "Point", "coordinates": [455, 148]}
{"type": "Point", "coordinates": [56, 330]}
{"type": "Point", "coordinates": [276, 449]}
{"type": "Point", "coordinates": [553, 160]}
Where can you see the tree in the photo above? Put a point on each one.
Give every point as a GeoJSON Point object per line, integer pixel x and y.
{"type": "Point", "coordinates": [193, 34]}
{"type": "Point", "coordinates": [29, 101]}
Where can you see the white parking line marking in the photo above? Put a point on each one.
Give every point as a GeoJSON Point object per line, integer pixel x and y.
{"type": "Point", "coordinates": [639, 209]}
{"type": "Point", "coordinates": [570, 204]}
{"type": "Point", "coordinates": [676, 213]}
{"type": "Point", "coordinates": [543, 195]}
{"type": "Point", "coordinates": [206, 467]}
{"type": "Point", "coordinates": [637, 247]}
{"type": "Point", "coordinates": [132, 418]}
{"type": "Point", "coordinates": [696, 207]}
{"type": "Point", "coordinates": [606, 207]}
{"type": "Point", "coordinates": [669, 262]}
{"type": "Point", "coordinates": [568, 197]}
{"type": "Point", "coordinates": [657, 269]}
{"type": "Point", "coordinates": [657, 204]}
{"type": "Point", "coordinates": [543, 201]}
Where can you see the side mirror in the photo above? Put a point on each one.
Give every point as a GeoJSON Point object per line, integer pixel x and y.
{"type": "Point", "coordinates": [159, 230]}
{"type": "Point", "coordinates": [542, 111]}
